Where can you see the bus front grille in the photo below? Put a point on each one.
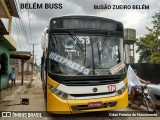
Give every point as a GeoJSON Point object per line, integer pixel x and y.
{"type": "Point", "coordinates": [85, 107]}
{"type": "Point", "coordinates": [91, 94]}
{"type": "Point", "coordinates": [89, 82]}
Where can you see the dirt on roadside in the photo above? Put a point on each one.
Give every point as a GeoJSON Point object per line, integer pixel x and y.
{"type": "Point", "coordinates": [31, 90]}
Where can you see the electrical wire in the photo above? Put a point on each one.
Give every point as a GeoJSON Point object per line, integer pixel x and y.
{"type": "Point", "coordinates": [23, 28]}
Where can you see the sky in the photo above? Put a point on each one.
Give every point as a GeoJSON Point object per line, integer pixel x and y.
{"type": "Point", "coordinates": [29, 28]}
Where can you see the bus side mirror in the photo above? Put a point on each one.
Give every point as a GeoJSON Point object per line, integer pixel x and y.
{"type": "Point", "coordinates": [44, 38]}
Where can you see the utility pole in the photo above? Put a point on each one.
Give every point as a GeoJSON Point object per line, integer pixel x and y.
{"type": "Point", "coordinates": [36, 63]}
{"type": "Point", "coordinates": [22, 69]}
{"type": "Point", "coordinates": [33, 58]}
{"type": "Point", "coordinates": [33, 51]}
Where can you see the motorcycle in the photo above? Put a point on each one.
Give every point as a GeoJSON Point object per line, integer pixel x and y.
{"type": "Point", "coordinates": [142, 98]}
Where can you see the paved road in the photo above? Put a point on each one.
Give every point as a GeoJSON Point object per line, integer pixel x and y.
{"type": "Point", "coordinates": [34, 92]}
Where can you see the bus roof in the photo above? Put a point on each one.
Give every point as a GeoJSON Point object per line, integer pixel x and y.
{"type": "Point", "coordinates": [84, 23]}
{"type": "Point", "coordinates": [85, 17]}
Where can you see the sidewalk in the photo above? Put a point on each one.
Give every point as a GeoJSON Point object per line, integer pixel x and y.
{"type": "Point", "coordinates": [7, 93]}
{"type": "Point", "coordinates": [32, 89]}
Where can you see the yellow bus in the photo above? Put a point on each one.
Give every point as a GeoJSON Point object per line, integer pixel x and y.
{"type": "Point", "coordinates": [83, 66]}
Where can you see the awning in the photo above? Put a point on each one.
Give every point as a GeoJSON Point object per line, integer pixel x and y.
{"type": "Point", "coordinates": [10, 4]}
{"type": "Point", "coordinates": [6, 43]}
{"type": "Point", "coordinates": [20, 55]}
{"type": "Point", "coordinates": [12, 8]}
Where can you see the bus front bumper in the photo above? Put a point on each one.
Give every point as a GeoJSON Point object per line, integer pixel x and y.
{"type": "Point", "coordinates": [57, 105]}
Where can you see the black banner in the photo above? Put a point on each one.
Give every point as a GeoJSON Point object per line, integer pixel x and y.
{"type": "Point", "coordinates": [148, 71]}
{"type": "Point", "coordinates": [91, 114]}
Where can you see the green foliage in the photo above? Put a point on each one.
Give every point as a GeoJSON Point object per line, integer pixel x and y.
{"type": "Point", "coordinates": [149, 44]}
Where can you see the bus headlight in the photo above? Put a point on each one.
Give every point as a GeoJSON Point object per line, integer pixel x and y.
{"type": "Point", "coordinates": [122, 90]}
{"type": "Point", "coordinates": [57, 92]}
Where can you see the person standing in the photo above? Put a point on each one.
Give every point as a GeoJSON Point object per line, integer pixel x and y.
{"type": "Point", "coordinates": [13, 77]}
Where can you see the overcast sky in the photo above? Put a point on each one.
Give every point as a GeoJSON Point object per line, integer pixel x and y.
{"type": "Point", "coordinates": [39, 18]}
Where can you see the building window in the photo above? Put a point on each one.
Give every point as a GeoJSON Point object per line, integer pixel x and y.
{"type": "Point", "coordinates": [4, 64]}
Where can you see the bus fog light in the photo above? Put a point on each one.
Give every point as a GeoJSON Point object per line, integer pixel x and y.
{"type": "Point", "coordinates": [122, 90]}
{"type": "Point", "coordinates": [119, 92]}
{"type": "Point", "coordinates": [65, 96]}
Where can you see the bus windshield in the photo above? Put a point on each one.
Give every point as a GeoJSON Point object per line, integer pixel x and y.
{"type": "Point", "coordinates": [79, 55]}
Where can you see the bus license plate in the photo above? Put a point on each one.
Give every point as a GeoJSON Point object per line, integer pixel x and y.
{"type": "Point", "coordinates": [94, 104]}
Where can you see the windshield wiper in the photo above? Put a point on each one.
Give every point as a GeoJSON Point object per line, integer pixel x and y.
{"type": "Point", "coordinates": [119, 56]}
{"type": "Point", "coordinates": [85, 54]}
{"type": "Point", "coordinates": [78, 42]}
{"type": "Point", "coordinates": [56, 43]}
{"type": "Point", "coordinates": [99, 54]}
{"type": "Point", "coordinates": [104, 44]}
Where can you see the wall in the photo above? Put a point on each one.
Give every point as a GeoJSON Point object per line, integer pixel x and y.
{"type": "Point", "coordinates": [147, 71]}
{"type": "Point", "coordinates": [27, 72]}
{"type": "Point", "coordinates": [4, 78]}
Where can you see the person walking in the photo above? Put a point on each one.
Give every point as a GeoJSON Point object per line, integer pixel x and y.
{"type": "Point", "coordinates": [13, 77]}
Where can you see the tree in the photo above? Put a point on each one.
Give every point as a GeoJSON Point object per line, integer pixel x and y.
{"type": "Point", "coordinates": [149, 44]}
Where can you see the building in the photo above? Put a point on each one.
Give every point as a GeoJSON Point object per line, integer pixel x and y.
{"type": "Point", "coordinates": [37, 69]}
{"type": "Point", "coordinates": [129, 41]}
{"type": "Point", "coordinates": [23, 63]}
{"type": "Point", "coordinates": [7, 42]}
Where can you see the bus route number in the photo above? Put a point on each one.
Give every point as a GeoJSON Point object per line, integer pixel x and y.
{"type": "Point", "coordinates": [111, 88]}
{"type": "Point", "coordinates": [84, 39]}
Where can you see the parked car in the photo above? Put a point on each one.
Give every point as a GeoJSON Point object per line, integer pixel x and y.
{"type": "Point", "coordinates": [154, 92]}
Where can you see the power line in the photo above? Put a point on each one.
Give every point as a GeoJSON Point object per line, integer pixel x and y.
{"type": "Point", "coordinates": [21, 37]}
{"type": "Point", "coordinates": [33, 57]}
{"type": "Point", "coordinates": [29, 24]}
{"type": "Point", "coordinates": [18, 35]}
{"type": "Point", "coordinates": [33, 50]}
{"type": "Point", "coordinates": [22, 24]}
